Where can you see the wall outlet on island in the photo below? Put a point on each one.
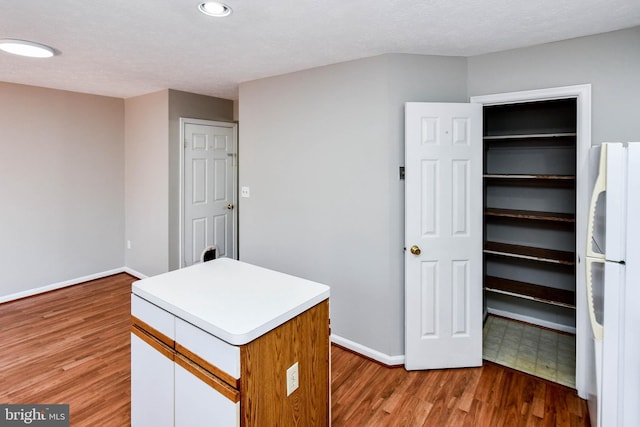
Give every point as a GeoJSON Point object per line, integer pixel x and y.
{"type": "Point", "coordinates": [292, 378]}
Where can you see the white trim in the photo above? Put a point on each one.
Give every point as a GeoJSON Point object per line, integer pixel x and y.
{"type": "Point", "coordinates": [385, 359]}
{"type": "Point", "coordinates": [582, 94]}
{"type": "Point", "coordinates": [234, 126]}
{"type": "Point", "coordinates": [66, 283]}
{"type": "Point", "coordinates": [532, 320]}
{"type": "Point", "coordinates": [134, 273]}
{"type": "Point", "coordinates": [576, 91]}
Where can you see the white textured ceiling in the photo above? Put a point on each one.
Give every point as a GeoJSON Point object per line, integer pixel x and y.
{"type": "Point", "coordinates": [126, 48]}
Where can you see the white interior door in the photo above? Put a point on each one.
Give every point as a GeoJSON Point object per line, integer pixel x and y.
{"type": "Point", "coordinates": [210, 189]}
{"type": "Point", "coordinates": [443, 235]}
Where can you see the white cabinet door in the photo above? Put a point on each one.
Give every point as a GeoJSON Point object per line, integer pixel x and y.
{"type": "Point", "coordinates": [199, 405]}
{"type": "Point", "coordinates": [151, 386]}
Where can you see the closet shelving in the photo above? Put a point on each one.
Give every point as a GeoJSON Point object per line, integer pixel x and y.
{"type": "Point", "coordinates": [522, 147]}
{"type": "Point", "coordinates": [533, 138]}
{"type": "Point", "coordinates": [568, 181]}
{"type": "Point", "coordinates": [550, 256]}
{"type": "Point", "coordinates": [535, 292]}
{"type": "Point", "coordinates": [553, 217]}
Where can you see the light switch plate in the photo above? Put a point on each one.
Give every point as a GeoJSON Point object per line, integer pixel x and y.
{"type": "Point", "coordinates": [245, 192]}
{"type": "Point", "coordinates": [292, 378]}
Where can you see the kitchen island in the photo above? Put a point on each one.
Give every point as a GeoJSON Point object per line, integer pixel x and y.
{"type": "Point", "coordinates": [226, 343]}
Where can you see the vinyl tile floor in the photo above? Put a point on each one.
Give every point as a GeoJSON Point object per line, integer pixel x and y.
{"type": "Point", "coordinates": [537, 351]}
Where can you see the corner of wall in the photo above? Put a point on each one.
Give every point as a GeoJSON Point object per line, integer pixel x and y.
{"type": "Point", "coordinates": [146, 182]}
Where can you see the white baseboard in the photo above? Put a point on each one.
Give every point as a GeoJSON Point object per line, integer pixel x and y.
{"type": "Point", "coordinates": [134, 273]}
{"type": "Point", "coordinates": [533, 320]}
{"type": "Point", "coordinates": [67, 283]}
{"type": "Point", "coordinates": [385, 359]}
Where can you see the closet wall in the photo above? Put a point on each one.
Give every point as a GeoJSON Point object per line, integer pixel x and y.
{"type": "Point", "coordinates": [529, 212]}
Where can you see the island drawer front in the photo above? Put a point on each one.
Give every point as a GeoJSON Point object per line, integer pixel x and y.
{"type": "Point", "coordinates": [212, 353]}
{"type": "Point", "coordinates": [154, 316]}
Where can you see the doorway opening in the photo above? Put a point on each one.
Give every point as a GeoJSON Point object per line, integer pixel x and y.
{"type": "Point", "coordinates": [536, 147]}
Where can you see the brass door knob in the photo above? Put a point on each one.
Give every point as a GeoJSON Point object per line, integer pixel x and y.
{"type": "Point", "coordinates": [230, 206]}
{"type": "Point", "coordinates": [415, 249]}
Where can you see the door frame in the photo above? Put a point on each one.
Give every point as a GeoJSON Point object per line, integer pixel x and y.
{"type": "Point", "coordinates": [234, 126]}
{"type": "Point", "coordinates": [582, 94]}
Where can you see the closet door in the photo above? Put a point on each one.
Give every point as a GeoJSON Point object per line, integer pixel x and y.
{"type": "Point", "coordinates": [443, 235]}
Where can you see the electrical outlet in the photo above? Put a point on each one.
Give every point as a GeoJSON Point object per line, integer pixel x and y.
{"type": "Point", "coordinates": [292, 378]}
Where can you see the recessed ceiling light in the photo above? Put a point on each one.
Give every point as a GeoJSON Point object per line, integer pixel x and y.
{"type": "Point", "coordinates": [26, 48]}
{"type": "Point", "coordinates": [214, 8]}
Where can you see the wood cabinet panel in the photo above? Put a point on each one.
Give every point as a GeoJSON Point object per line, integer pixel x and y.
{"type": "Point", "coordinates": [264, 361]}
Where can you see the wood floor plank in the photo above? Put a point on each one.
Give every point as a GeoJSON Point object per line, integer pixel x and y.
{"type": "Point", "coordinates": [489, 396]}
{"type": "Point", "coordinates": [72, 346]}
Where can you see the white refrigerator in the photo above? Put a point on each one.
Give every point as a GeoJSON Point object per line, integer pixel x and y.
{"type": "Point", "coordinates": [613, 286]}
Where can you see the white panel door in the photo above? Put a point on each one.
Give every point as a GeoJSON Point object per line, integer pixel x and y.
{"type": "Point", "coordinates": [209, 191]}
{"type": "Point", "coordinates": [443, 235]}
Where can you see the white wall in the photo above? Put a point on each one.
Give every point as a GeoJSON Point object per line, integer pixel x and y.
{"type": "Point", "coordinates": [312, 151]}
{"type": "Point", "coordinates": [411, 78]}
{"type": "Point", "coordinates": [61, 186]}
{"type": "Point", "coordinates": [152, 173]}
{"type": "Point", "coordinates": [147, 183]}
{"type": "Point", "coordinates": [320, 151]}
{"type": "Point", "coordinates": [610, 62]}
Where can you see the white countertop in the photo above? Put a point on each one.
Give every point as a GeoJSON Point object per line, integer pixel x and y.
{"type": "Point", "coordinates": [235, 301]}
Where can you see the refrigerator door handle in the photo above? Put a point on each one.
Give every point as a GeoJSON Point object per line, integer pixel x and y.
{"type": "Point", "coordinates": [596, 327]}
{"type": "Point", "coordinates": [592, 257]}
{"type": "Point", "coordinates": [599, 187]}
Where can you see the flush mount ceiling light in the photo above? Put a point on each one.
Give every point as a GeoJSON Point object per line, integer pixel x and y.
{"type": "Point", "coordinates": [26, 48]}
{"type": "Point", "coordinates": [214, 8]}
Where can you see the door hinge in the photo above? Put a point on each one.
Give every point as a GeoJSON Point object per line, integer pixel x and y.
{"type": "Point", "coordinates": [401, 173]}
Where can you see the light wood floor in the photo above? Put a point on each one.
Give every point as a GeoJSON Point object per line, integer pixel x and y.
{"type": "Point", "coordinates": [72, 346]}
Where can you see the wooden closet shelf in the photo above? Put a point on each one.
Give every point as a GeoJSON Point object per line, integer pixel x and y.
{"type": "Point", "coordinates": [525, 176]}
{"type": "Point", "coordinates": [532, 136]}
{"type": "Point", "coordinates": [530, 291]}
{"type": "Point", "coordinates": [530, 215]}
{"type": "Point", "coordinates": [566, 181]}
{"type": "Point", "coordinates": [529, 253]}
